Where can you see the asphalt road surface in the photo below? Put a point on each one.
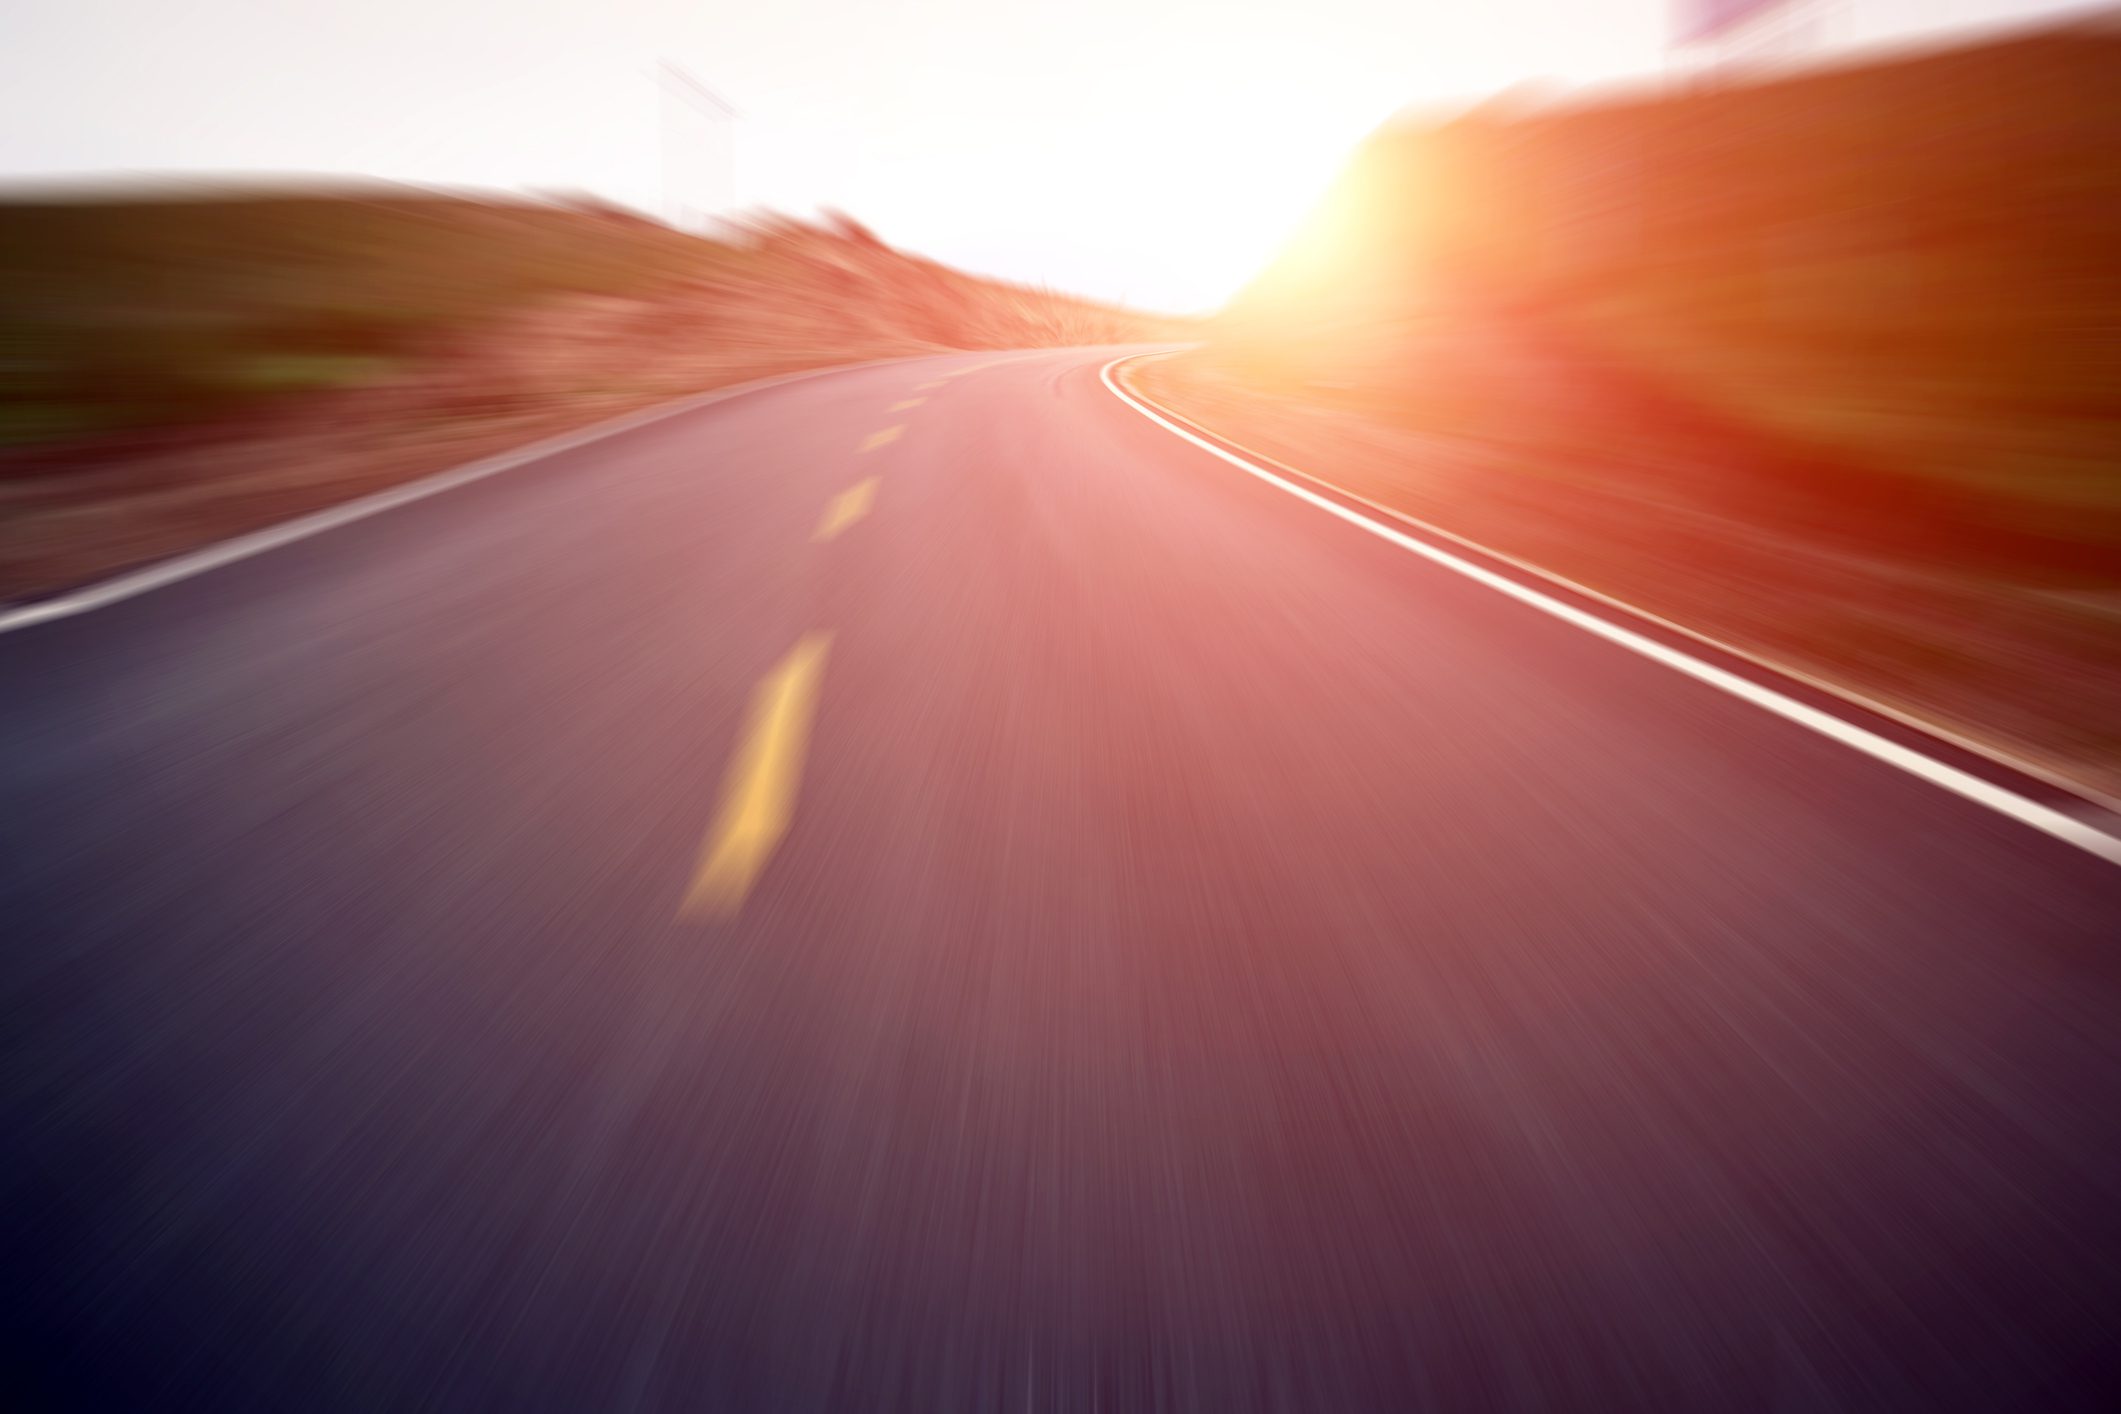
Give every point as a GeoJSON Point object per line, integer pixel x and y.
{"type": "Point", "coordinates": [763, 912]}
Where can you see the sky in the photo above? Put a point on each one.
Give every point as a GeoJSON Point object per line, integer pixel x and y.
{"type": "Point", "coordinates": [1154, 151]}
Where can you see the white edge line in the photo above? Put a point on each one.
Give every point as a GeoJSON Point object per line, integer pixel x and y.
{"type": "Point", "coordinates": [2055, 823]}
{"type": "Point", "coordinates": [242, 547]}
{"type": "Point", "coordinates": [2101, 800]}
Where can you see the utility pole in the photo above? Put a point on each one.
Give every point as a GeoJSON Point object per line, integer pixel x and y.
{"type": "Point", "coordinates": [699, 150]}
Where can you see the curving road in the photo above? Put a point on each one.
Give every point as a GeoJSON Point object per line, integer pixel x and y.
{"type": "Point", "coordinates": [766, 912]}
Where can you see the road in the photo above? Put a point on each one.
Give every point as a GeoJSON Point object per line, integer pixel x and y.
{"type": "Point", "coordinates": [769, 912]}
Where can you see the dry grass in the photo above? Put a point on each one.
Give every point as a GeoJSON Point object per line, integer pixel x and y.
{"type": "Point", "coordinates": [176, 371]}
{"type": "Point", "coordinates": [1829, 366]}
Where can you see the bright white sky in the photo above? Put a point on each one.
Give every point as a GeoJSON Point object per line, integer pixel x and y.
{"type": "Point", "coordinates": [1151, 150]}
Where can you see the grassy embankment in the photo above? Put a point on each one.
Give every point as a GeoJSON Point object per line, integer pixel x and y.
{"type": "Point", "coordinates": [177, 370]}
{"type": "Point", "coordinates": [1828, 366]}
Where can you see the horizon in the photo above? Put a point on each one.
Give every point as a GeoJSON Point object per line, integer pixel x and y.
{"type": "Point", "coordinates": [1154, 159]}
{"type": "Point", "coordinates": [1069, 179]}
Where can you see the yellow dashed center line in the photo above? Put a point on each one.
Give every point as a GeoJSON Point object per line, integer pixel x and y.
{"type": "Point", "coordinates": [758, 794]}
{"type": "Point", "coordinates": [931, 383]}
{"type": "Point", "coordinates": [846, 508]}
{"type": "Point", "coordinates": [878, 439]}
{"type": "Point", "coordinates": [907, 403]}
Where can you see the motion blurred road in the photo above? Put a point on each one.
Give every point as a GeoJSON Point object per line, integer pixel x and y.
{"type": "Point", "coordinates": [766, 912]}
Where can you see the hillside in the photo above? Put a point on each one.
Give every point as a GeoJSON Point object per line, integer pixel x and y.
{"type": "Point", "coordinates": [1829, 366]}
{"type": "Point", "coordinates": [175, 370]}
